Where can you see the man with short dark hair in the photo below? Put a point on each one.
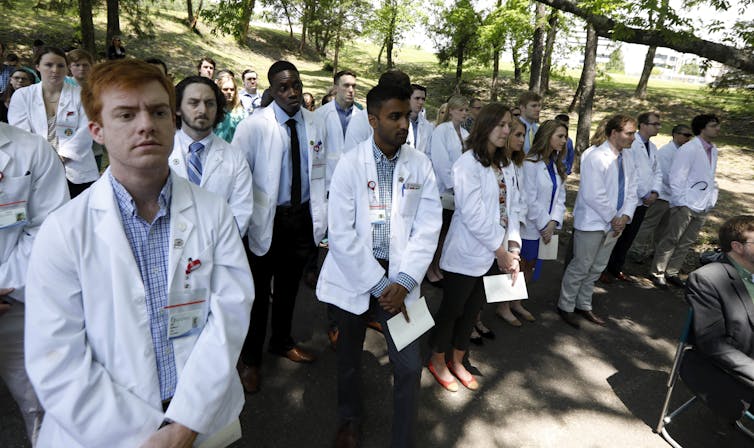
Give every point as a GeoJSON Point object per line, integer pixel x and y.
{"type": "Point", "coordinates": [419, 130]}
{"type": "Point", "coordinates": [204, 158]}
{"type": "Point", "coordinates": [693, 193]}
{"type": "Point", "coordinates": [206, 67]}
{"type": "Point", "coordinates": [530, 104]}
{"type": "Point", "coordinates": [656, 217]}
{"type": "Point", "coordinates": [381, 242]}
{"type": "Point", "coordinates": [283, 146]}
{"type": "Point", "coordinates": [138, 290]}
{"type": "Point", "coordinates": [345, 123]}
{"type": "Point", "coordinates": [249, 96]}
{"type": "Point", "coordinates": [643, 156]}
{"type": "Point", "coordinates": [475, 105]}
{"type": "Point", "coordinates": [721, 295]}
{"type": "Point", "coordinates": [604, 205]}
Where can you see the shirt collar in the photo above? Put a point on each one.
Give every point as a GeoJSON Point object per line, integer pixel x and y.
{"type": "Point", "coordinates": [186, 141]}
{"type": "Point", "coordinates": [127, 204]}
{"type": "Point", "coordinates": [379, 156]}
{"type": "Point", "coordinates": [705, 144]}
{"type": "Point", "coordinates": [341, 110]}
{"type": "Point", "coordinates": [525, 121]}
{"type": "Point", "coordinates": [745, 275]}
{"type": "Point", "coordinates": [282, 116]}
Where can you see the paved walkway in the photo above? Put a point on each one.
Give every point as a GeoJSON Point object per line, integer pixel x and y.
{"type": "Point", "coordinates": [543, 384]}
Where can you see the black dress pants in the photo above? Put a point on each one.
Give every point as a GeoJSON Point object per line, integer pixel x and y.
{"type": "Point", "coordinates": [278, 274]}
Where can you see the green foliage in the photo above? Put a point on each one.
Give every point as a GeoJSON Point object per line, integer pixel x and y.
{"type": "Point", "coordinates": [615, 63]}
{"type": "Point", "coordinates": [226, 17]}
{"type": "Point", "coordinates": [511, 25]}
{"type": "Point", "coordinates": [691, 69]}
{"type": "Point", "coordinates": [455, 31]}
{"type": "Point", "coordinates": [392, 20]}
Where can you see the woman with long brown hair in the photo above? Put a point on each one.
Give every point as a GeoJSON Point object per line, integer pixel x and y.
{"type": "Point", "coordinates": [483, 239]}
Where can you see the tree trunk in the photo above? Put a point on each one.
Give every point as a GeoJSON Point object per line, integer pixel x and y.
{"type": "Point", "coordinates": [586, 100]}
{"type": "Point", "coordinates": [516, 67]}
{"type": "Point", "coordinates": [547, 59]}
{"type": "Point", "coordinates": [190, 19]}
{"type": "Point", "coordinates": [459, 67]}
{"type": "Point", "coordinates": [649, 64]}
{"type": "Point", "coordinates": [495, 74]}
{"type": "Point", "coordinates": [537, 49]}
{"type": "Point", "coordinates": [379, 55]}
{"type": "Point", "coordinates": [390, 40]}
{"type": "Point", "coordinates": [304, 27]}
{"type": "Point", "coordinates": [243, 34]}
{"type": "Point", "coordinates": [577, 94]}
{"type": "Point", "coordinates": [87, 27]}
{"type": "Point", "coordinates": [113, 20]}
{"type": "Point", "coordinates": [288, 17]}
{"type": "Point", "coordinates": [336, 55]}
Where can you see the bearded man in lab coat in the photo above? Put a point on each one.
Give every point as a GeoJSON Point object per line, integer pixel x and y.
{"type": "Point", "coordinates": [138, 291]}
{"type": "Point", "coordinates": [384, 221]}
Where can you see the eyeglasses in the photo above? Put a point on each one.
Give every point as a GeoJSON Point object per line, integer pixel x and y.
{"type": "Point", "coordinates": [20, 79]}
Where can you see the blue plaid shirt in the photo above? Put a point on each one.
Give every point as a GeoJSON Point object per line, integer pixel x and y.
{"type": "Point", "coordinates": [150, 245]}
{"type": "Point", "coordinates": [5, 72]}
{"type": "Point", "coordinates": [381, 232]}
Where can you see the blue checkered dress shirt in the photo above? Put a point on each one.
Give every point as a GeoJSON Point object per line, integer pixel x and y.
{"type": "Point", "coordinates": [150, 243]}
{"type": "Point", "coordinates": [381, 232]}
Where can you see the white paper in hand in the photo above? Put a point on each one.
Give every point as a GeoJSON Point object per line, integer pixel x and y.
{"type": "Point", "coordinates": [499, 288]}
{"type": "Point", "coordinates": [548, 251]}
{"type": "Point", "coordinates": [404, 333]}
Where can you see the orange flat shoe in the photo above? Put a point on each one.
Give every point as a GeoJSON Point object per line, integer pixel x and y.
{"type": "Point", "coordinates": [471, 384]}
{"type": "Point", "coordinates": [451, 385]}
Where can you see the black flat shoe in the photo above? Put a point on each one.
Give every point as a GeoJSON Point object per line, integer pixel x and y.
{"type": "Point", "coordinates": [484, 331]}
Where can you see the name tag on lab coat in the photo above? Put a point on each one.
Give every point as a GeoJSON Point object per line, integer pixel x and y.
{"type": "Point", "coordinates": [377, 214]}
{"type": "Point", "coordinates": [318, 171]}
{"type": "Point", "coordinates": [186, 312]}
{"type": "Point", "coordinates": [13, 214]}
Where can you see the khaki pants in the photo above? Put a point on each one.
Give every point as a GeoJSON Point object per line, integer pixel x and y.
{"type": "Point", "coordinates": [680, 234]}
{"type": "Point", "coordinates": [651, 230]}
{"type": "Point", "coordinates": [590, 256]}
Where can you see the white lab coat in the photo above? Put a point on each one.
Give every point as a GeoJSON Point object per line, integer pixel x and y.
{"type": "Point", "coordinates": [665, 157]}
{"type": "Point", "coordinates": [475, 231]}
{"type": "Point", "coordinates": [646, 168]}
{"type": "Point", "coordinates": [225, 172]}
{"type": "Point", "coordinates": [350, 270]}
{"type": "Point", "coordinates": [27, 111]}
{"type": "Point", "coordinates": [692, 177]}
{"type": "Point", "coordinates": [337, 144]}
{"type": "Point", "coordinates": [538, 188]}
{"type": "Point", "coordinates": [446, 148]}
{"type": "Point", "coordinates": [424, 131]}
{"type": "Point", "coordinates": [263, 142]}
{"type": "Point", "coordinates": [89, 348]}
{"type": "Point", "coordinates": [597, 200]}
{"type": "Point", "coordinates": [31, 173]}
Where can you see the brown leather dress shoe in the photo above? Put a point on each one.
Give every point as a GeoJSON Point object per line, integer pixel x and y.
{"type": "Point", "coordinates": [591, 317]}
{"type": "Point", "coordinates": [604, 278]}
{"type": "Point", "coordinates": [348, 436]}
{"type": "Point", "coordinates": [332, 335]}
{"type": "Point", "coordinates": [622, 277]}
{"type": "Point", "coordinates": [374, 325]}
{"type": "Point", "coordinates": [296, 355]}
{"type": "Point", "coordinates": [569, 318]}
{"type": "Point", "coordinates": [249, 378]}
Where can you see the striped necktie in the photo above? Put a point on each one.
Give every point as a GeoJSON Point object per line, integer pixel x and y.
{"type": "Point", "coordinates": [195, 163]}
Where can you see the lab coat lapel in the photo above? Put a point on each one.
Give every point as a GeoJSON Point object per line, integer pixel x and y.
{"type": "Point", "coordinates": [213, 160]}
{"type": "Point", "coordinates": [4, 157]}
{"type": "Point", "coordinates": [180, 225]}
{"type": "Point", "coordinates": [110, 227]}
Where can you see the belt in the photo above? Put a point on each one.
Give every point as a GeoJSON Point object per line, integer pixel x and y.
{"type": "Point", "coordinates": [291, 209]}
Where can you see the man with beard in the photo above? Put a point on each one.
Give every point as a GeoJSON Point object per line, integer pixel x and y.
{"type": "Point", "coordinates": [384, 221]}
{"type": "Point", "coordinates": [204, 158]}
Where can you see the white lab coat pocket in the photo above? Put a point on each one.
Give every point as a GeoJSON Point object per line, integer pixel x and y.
{"type": "Point", "coordinates": [411, 194]}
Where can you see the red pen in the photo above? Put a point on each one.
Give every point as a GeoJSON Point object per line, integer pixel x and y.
{"type": "Point", "coordinates": [192, 265]}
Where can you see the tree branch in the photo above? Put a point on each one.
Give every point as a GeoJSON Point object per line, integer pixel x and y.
{"type": "Point", "coordinates": [680, 41]}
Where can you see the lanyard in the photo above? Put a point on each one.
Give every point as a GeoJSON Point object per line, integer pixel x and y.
{"type": "Point", "coordinates": [551, 170]}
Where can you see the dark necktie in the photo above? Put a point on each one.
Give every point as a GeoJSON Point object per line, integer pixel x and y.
{"type": "Point", "coordinates": [647, 146]}
{"type": "Point", "coordinates": [621, 182]}
{"type": "Point", "coordinates": [195, 163]}
{"type": "Point", "coordinates": [295, 164]}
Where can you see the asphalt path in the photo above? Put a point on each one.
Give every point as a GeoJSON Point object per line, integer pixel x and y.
{"type": "Point", "coordinates": [544, 384]}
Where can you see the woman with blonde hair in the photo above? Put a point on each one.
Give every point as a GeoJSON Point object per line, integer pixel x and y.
{"type": "Point", "coordinates": [446, 146]}
{"type": "Point", "coordinates": [234, 111]}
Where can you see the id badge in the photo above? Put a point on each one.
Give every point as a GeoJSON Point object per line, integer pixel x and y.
{"type": "Point", "coordinates": [13, 214]}
{"type": "Point", "coordinates": [377, 214]}
{"type": "Point", "coordinates": [186, 312]}
{"type": "Point", "coordinates": [318, 171]}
